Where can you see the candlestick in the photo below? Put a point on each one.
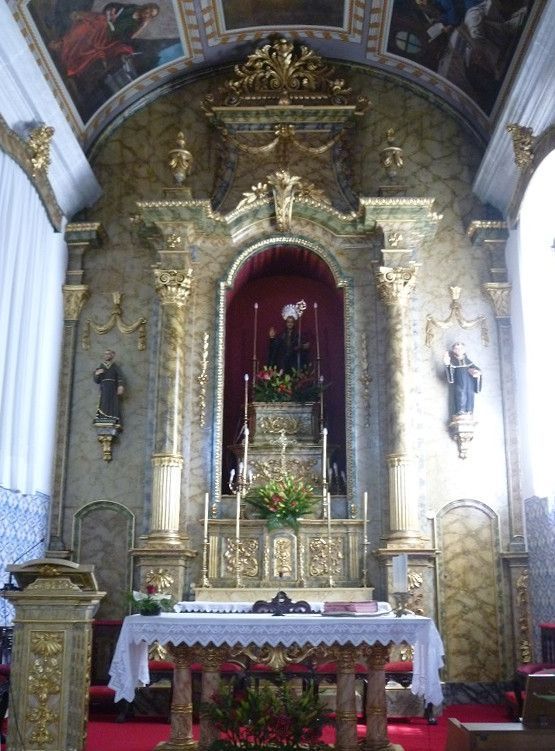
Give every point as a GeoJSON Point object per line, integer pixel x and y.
{"type": "Point", "coordinates": [237, 539]}
{"type": "Point", "coordinates": [330, 577]}
{"type": "Point", "coordinates": [400, 573]}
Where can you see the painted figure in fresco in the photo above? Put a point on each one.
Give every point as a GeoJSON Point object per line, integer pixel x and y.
{"type": "Point", "coordinates": [103, 38]}
{"type": "Point", "coordinates": [112, 386]}
{"type": "Point", "coordinates": [287, 351]}
{"type": "Point", "coordinates": [465, 378]}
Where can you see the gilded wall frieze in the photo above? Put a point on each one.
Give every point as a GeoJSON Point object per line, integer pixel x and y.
{"type": "Point", "coordinates": [455, 317]}
{"type": "Point", "coordinates": [115, 319]}
{"type": "Point", "coordinates": [19, 150]}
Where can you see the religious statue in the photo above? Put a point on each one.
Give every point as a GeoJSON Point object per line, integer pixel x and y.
{"type": "Point", "coordinates": [287, 351]}
{"type": "Point", "coordinates": [112, 386]}
{"type": "Point", "coordinates": [465, 378]}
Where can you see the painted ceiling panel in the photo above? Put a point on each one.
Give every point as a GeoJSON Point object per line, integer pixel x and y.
{"type": "Point", "coordinates": [100, 57]}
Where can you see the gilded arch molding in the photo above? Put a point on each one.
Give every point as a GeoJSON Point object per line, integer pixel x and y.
{"type": "Point", "coordinates": [16, 148]}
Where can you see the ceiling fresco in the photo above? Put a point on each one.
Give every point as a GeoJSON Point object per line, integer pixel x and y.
{"type": "Point", "coordinates": [99, 57]}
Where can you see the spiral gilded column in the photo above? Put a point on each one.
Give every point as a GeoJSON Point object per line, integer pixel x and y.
{"type": "Point", "coordinates": [395, 287]}
{"type": "Point", "coordinates": [173, 287]}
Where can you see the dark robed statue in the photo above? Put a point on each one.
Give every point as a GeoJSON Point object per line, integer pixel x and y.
{"type": "Point", "coordinates": [286, 350]}
{"type": "Point", "coordinates": [112, 386]}
{"type": "Point", "coordinates": [465, 378]}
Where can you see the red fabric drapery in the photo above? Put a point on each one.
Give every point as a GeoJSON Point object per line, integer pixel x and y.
{"type": "Point", "coordinates": [272, 278]}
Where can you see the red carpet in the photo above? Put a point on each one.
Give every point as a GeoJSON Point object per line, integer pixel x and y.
{"type": "Point", "coordinates": [413, 735]}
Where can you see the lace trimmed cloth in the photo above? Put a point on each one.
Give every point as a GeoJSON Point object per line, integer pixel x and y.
{"type": "Point", "coordinates": [129, 668]}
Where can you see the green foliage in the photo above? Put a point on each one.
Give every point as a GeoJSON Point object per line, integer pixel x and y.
{"type": "Point", "coordinates": [266, 718]}
{"type": "Point", "coordinates": [273, 385]}
{"type": "Point", "coordinates": [281, 502]}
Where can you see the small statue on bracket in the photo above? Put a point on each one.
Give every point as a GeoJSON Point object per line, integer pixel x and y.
{"type": "Point", "coordinates": [108, 421]}
{"type": "Point", "coordinates": [465, 378]}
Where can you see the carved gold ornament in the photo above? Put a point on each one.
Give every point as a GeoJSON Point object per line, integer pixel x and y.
{"type": "Point", "coordinates": [523, 611]}
{"type": "Point", "coordinates": [180, 160]}
{"type": "Point", "coordinates": [324, 561]}
{"type": "Point", "coordinates": [499, 294]}
{"type": "Point", "coordinates": [38, 146]}
{"type": "Point", "coordinates": [456, 316]}
{"type": "Point", "coordinates": [395, 284]}
{"type": "Point", "coordinates": [44, 683]}
{"type": "Point", "coordinates": [284, 188]}
{"type": "Point", "coordinates": [173, 286]}
{"type": "Point", "coordinates": [277, 657]}
{"type": "Point", "coordinates": [284, 73]}
{"type": "Point", "coordinates": [247, 555]}
{"type": "Point", "coordinates": [391, 157]}
{"type": "Point", "coordinates": [116, 319]}
{"type": "Point", "coordinates": [523, 144]}
{"type": "Point", "coordinates": [160, 578]}
{"type": "Point", "coordinates": [202, 379]}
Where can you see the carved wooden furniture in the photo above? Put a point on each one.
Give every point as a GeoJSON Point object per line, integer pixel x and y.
{"type": "Point", "coordinates": [210, 638]}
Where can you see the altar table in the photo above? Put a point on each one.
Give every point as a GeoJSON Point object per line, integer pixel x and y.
{"type": "Point", "coordinates": [211, 638]}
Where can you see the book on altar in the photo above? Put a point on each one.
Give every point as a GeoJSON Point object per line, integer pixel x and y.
{"type": "Point", "coordinates": [369, 606]}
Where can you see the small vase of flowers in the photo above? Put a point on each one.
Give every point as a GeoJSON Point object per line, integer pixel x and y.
{"type": "Point", "coordinates": [282, 502]}
{"type": "Point", "coordinates": [273, 385]}
{"type": "Point", "coordinates": [151, 602]}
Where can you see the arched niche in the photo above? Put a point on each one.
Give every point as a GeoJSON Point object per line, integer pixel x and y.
{"type": "Point", "coordinates": [272, 274]}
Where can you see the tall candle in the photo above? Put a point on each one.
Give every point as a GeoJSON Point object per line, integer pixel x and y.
{"type": "Point", "coordinates": [400, 573]}
{"type": "Point", "coordinates": [329, 516]}
{"type": "Point", "coordinates": [324, 456]}
{"type": "Point", "coordinates": [365, 512]}
{"type": "Point", "coordinates": [238, 516]}
{"type": "Point", "coordinates": [206, 508]}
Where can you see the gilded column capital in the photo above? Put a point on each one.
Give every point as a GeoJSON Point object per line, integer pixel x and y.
{"type": "Point", "coordinates": [173, 285]}
{"type": "Point", "coordinates": [376, 655]}
{"type": "Point", "coordinates": [75, 297]}
{"type": "Point", "coordinates": [167, 460]}
{"type": "Point", "coordinates": [395, 285]}
{"type": "Point", "coordinates": [499, 294]}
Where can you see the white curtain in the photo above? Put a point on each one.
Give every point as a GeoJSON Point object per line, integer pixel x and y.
{"type": "Point", "coordinates": [32, 266]}
{"type": "Point", "coordinates": [536, 271]}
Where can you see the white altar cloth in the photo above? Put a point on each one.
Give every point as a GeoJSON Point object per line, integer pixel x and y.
{"type": "Point", "coordinates": [129, 668]}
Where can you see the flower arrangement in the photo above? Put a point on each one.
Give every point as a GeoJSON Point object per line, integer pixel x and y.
{"type": "Point", "coordinates": [273, 385]}
{"type": "Point", "coordinates": [152, 602]}
{"type": "Point", "coordinates": [266, 718]}
{"type": "Point", "coordinates": [281, 502]}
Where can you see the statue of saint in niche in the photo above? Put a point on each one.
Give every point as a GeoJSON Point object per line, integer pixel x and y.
{"type": "Point", "coordinates": [112, 386]}
{"type": "Point", "coordinates": [287, 351]}
{"type": "Point", "coordinates": [465, 378]}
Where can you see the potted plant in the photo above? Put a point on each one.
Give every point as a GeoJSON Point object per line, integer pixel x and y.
{"type": "Point", "coordinates": [270, 717]}
{"type": "Point", "coordinates": [282, 502]}
{"type": "Point", "coordinates": [151, 602]}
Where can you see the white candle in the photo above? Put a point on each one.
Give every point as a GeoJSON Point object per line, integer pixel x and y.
{"type": "Point", "coordinates": [329, 516]}
{"type": "Point", "coordinates": [206, 508]}
{"type": "Point", "coordinates": [400, 573]}
{"type": "Point", "coordinates": [365, 512]}
{"type": "Point", "coordinates": [237, 516]}
{"type": "Point", "coordinates": [324, 455]}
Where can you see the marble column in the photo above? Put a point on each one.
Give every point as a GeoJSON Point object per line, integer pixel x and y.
{"type": "Point", "coordinates": [173, 287]}
{"type": "Point", "coordinates": [376, 708]}
{"type": "Point", "coordinates": [211, 659]}
{"type": "Point", "coordinates": [181, 734]}
{"type": "Point", "coordinates": [79, 238]}
{"type": "Point", "coordinates": [346, 714]}
{"type": "Point", "coordinates": [395, 286]}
